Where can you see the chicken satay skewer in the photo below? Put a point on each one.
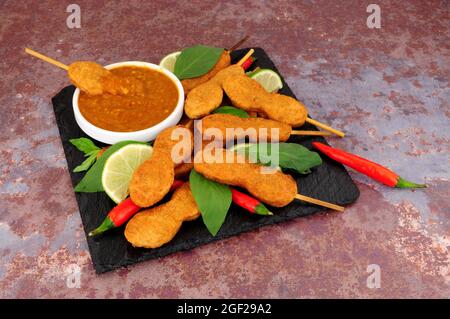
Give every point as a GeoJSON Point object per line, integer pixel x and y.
{"type": "Point", "coordinates": [308, 120]}
{"type": "Point", "coordinates": [247, 94]}
{"type": "Point", "coordinates": [276, 189]}
{"type": "Point", "coordinates": [223, 122]}
{"type": "Point", "coordinates": [88, 76]}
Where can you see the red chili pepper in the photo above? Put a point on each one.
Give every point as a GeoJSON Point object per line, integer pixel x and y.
{"type": "Point", "coordinates": [362, 165]}
{"type": "Point", "coordinates": [247, 63]}
{"type": "Point", "coordinates": [249, 203]}
{"type": "Point", "coordinates": [117, 216]}
{"type": "Point", "coordinates": [127, 209]}
{"type": "Point", "coordinates": [245, 201]}
{"type": "Point", "coordinates": [176, 184]}
{"type": "Point", "coordinates": [123, 212]}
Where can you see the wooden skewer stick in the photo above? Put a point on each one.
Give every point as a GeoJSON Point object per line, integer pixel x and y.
{"type": "Point", "coordinates": [249, 53]}
{"type": "Point", "coordinates": [239, 43]}
{"type": "Point", "coordinates": [325, 127]}
{"type": "Point", "coordinates": [310, 133]}
{"type": "Point", "coordinates": [46, 59]}
{"type": "Point", "coordinates": [319, 202]}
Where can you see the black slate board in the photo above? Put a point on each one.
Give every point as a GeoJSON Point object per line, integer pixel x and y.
{"type": "Point", "coordinates": [329, 182]}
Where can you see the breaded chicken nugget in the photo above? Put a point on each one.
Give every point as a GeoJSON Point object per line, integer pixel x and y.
{"type": "Point", "coordinates": [152, 180]}
{"type": "Point", "coordinates": [94, 79]}
{"type": "Point", "coordinates": [202, 100]}
{"type": "Point", "coordinates": [232, 70]}
{"type": "Point", "coordinates": [170, 137]}
{"type": "Point", "coordinates": [276, 189]}
{"type": "Point", "coordinates": [254, 128]}
{"type": "Point", "coordinates": [244, 93]}
{"type": "Point", "coordinates": [247, 94]}
{"type": "Point", "coordinates": [206, 97]}
{"type": "Point", "coordinates": [224, 61]}
{"type": "Point", "coordinates": [156, 226]}
{"type": "Point", "coordinates": [285, 109]}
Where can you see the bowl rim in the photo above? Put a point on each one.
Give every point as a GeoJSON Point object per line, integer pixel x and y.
{"type": "Point", "coordinates": [130, 135]}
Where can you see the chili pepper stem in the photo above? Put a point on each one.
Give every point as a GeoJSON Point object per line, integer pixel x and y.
{"type": "Point", "coordinates": [106, 225]}
{"type": "Point", "coordinates": [403, 183]}
{"type": "Point", "coordinates": [260, 209]}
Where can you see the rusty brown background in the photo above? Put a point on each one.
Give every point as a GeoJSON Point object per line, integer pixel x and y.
{"type": "Point", "coordinates": [388, 88]}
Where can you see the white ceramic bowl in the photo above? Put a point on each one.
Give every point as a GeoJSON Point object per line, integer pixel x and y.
{"type": "Point", "coordinates": [146, 135]}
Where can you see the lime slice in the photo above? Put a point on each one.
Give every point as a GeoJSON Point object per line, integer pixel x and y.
{"type": "Point", "coordinates": [269, 79]}
{"type": "Point", "coordinates": [168, 62]}
{"type": "Point", "coordinates": [119, 168]}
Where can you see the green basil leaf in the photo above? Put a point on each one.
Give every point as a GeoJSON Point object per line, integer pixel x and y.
{"type": "Point", "coordinates": [86, 164]}
{"type": "Point", "coordinates": [92, 181]}
{"type": "Point", "coordinates": [231, 110]}
{"type": "Point", "coordinates": [84, 144]}
{"type": "Point", "coordinates": [290, 156]}
{"type": "Point", "coordinates": [94, 152]}
{"type": "Point", "coordinates": [196, 61]}
{"type": "Point", "coordinates": [213, 200]}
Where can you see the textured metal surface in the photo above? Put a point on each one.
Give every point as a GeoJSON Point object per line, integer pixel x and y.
{"type": "Point", "coordinates": [389, 88]}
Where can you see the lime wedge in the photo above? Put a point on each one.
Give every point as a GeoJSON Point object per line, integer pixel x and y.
{"type": "Point", "coordinates": [119, 168]}
{"type": "Point", "coordinates": [269, 79]}
{"type": "Point", "coordinates": [168, 62]}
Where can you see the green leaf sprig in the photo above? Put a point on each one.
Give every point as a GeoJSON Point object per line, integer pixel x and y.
{"type": "Point", "coordinates": [90, 151]}
{"type": "Point", "coordinates": [231, 110]}
{"type": "Point", "coordinates": [92, 181]}
{"type": "Point", "coordinates": [213, 200]}
{"type": "Point", "coordinates": [290, 156]}
{"type": "Point", "coordinates": [196, 61]}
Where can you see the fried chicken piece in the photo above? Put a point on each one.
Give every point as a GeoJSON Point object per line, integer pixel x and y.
{"type": "Point", "coordinates": [202, 100]}
{"type": "Point", "coordinates": [170, 137]}
{"type": "Point", "coordinates": [152, 180]}
{"type": "Point", "coordinates": [253, 128]}
{"type": "Point", "coordinates": [224, 61]}
{"type": "Point", "coordinates": [156, 226]}
{"type": "Point", "coordinates": [206, 97]}
{"type": "Point", "coordinates": [94, 79]}
{"type": "Point", "coordinates": [232, 70]}
{"type": "Point", "coordinates": [276, 188]}
{"type": "Point", "coordinates": [247, 94]}
{"type": "Point", "coordinates": [244, 93]}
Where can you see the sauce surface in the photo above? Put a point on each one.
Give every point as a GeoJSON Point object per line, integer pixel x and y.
{"type": "Point", "coordinates": [154, 96]}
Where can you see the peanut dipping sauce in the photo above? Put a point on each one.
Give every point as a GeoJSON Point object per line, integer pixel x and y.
{"type": "Point", "coordinates": [153, 97]}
